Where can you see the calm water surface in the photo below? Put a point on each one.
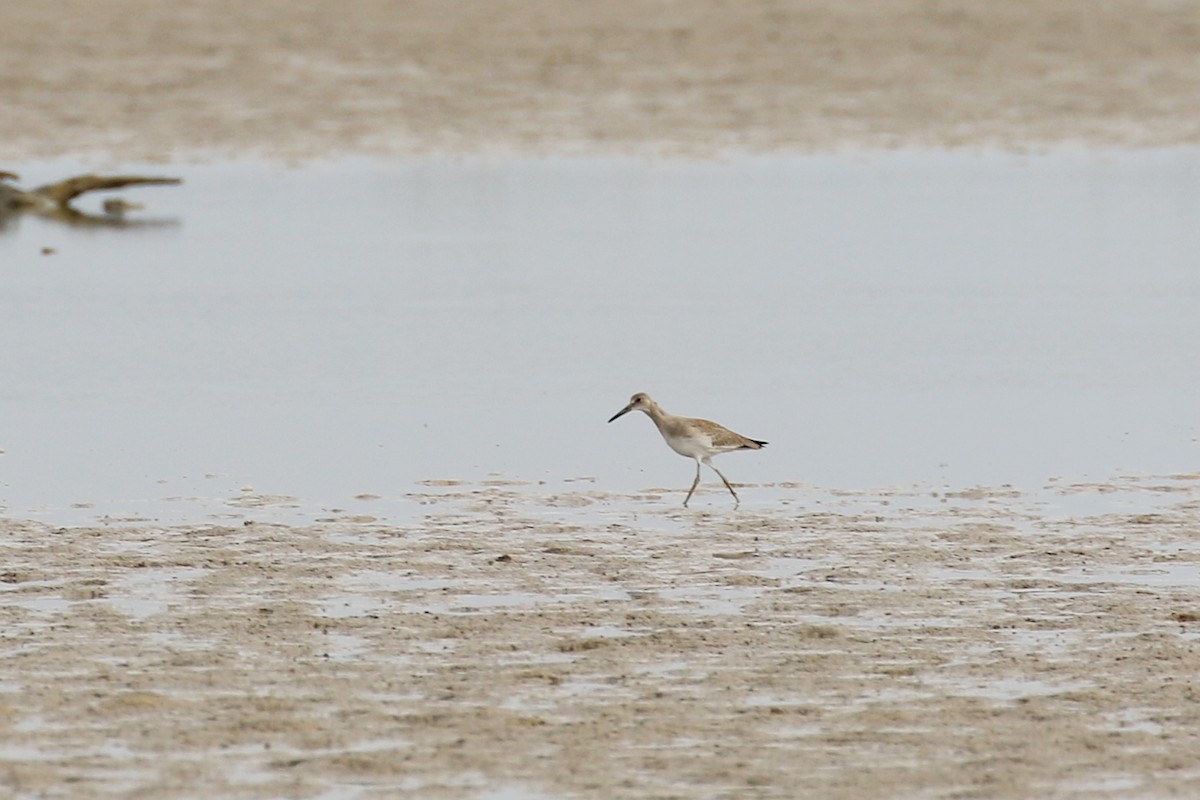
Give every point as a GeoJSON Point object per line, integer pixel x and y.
{"type": "Point", "coordinates": [359, 327]}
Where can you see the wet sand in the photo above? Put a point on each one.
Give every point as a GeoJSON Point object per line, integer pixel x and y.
{"type": "Point", "coordinates": [585, 644]}
{"type": "Point", "coordinates": [525, 644]}
{"type": "Point", "coordinates": [296, 79]}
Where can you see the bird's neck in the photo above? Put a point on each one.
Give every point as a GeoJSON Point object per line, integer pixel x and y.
{"type": "Point", "coordinates": [657, 414]}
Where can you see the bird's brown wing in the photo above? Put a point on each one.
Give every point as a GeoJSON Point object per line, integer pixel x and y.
{"type": "Point", "coordinates": [724, 438]}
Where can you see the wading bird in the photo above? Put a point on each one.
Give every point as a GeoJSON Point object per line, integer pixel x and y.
{"type": "Point", "coordinates": [692, 438]}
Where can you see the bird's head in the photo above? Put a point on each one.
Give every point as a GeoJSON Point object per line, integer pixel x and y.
{"type": "Point", "coordinates": [639, 402]}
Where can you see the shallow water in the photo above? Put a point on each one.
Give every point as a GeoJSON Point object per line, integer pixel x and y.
{"type": "Point", "coordinates": [295, 343]}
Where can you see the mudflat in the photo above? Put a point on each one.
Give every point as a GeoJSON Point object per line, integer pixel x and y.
{"type": "Point", "coordinates": [520, 643]}
{"type": "Point", "coordinates": [302, 78]}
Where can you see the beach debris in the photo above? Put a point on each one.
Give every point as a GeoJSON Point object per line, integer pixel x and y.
{"type": "Point", "coordinates": [54, 199]}
{"type": "Point", "coordinates": [117, 207]}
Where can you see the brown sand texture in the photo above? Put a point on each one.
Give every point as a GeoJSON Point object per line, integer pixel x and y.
{"type": "Point", "coordinates": [144, 80]}
{"type": "Point", "coordinates": [518, 643]}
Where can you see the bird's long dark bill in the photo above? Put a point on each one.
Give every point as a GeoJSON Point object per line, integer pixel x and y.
{"type": "Point", "coordinates": [624, 410]}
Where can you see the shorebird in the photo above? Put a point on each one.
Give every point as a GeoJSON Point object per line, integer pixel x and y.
{"type": "Point", "coordinates": [692, 438]}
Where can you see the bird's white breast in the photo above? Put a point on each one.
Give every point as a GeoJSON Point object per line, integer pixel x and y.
{"type": "Point", "coordinates": [696, 444]}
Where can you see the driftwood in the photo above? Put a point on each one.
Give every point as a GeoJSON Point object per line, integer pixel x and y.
{"type": "Point", "coordinates": [54, 199]}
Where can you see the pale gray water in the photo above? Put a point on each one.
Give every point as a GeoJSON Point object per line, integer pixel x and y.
{"type": "Point", "coordinates": [358, 327]}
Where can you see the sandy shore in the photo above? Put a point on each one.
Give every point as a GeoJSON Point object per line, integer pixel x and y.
{"type": "Point", "coordinates": [145, 80]}
{"type": "Point", "coordinates": [524, 644]}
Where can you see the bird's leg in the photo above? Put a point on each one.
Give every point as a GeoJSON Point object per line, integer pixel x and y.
{"type": "Point", "coordinates": [695, 483]}
{"type": "Point", "coordinates": [736, 500]}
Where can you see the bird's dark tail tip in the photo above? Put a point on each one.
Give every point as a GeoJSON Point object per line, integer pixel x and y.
{"type": "Point", "coordinates": [757, 444]}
